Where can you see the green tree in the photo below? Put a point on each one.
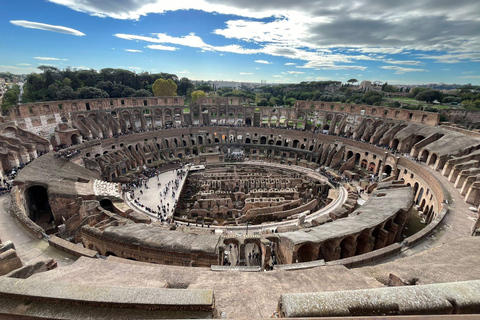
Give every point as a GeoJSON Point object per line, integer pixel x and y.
{"type": "Point", "coordinates": [142, 93]}
{"type": "Point", "coordinates": [352, 81]}
{"type": "Point", "coordinates": [371, 97]}
{"type": "Point", "coordinates": [164, 88]}
{"type": "Point", "coordinates": [66, 93]}
{"type": "Point", "coordinates": [290, 101]}
{"type": "Point", "coordinates": [184, 85]}
{"type": "Point", "coordinates": [272, 102]}
{"type": "Point", "coordinates": [10, 98]}
{"type": "Point", "coordinates": [429, 96]}
{"type": "Point", "coordinates": [198, 94]}
{"type": "Point", "coordinates": [91, 93]}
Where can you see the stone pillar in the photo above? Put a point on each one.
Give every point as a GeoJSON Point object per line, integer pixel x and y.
{"type": "Point", "coordinates": [241, 252]}
{"type": "Point", "coordinates": [381, 239]}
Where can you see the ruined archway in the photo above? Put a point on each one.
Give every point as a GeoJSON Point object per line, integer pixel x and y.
{"type": "Point", "coordinates": [75, 139]}
{"type": "Point", "coordinates": [38, 207]}
{"type": "Point", "coordinates": [306, 253]}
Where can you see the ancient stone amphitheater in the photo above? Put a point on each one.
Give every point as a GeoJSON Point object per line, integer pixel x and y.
{"type": "Point", "coordinates": [322, 194]}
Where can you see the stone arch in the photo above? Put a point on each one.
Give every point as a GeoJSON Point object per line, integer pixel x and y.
{"type": "Point", "coordinates": [394, 144]}
{"type": "Point", "coordinates": [38, 207]}
{"type": "Point", "coordinates": [75, 139]}
{"type": "Point", "coordinates": [307, 252]}
{"type": "Point", "coordinates": [387, 170]}
{"type": "Point", "coordinates": [433, 159]}
{"type": "Point", "coordinates": [424, 155]}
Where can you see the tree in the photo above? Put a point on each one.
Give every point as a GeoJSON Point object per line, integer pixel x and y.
{"type": "Point", "coordinates": [184, 85]}
{"type": "Point", "coordinates": [204, 87]}
{"type": "Point", "coordinates": [198, 94]}
{"type": "Point", "coordinates": [352, 81]}
{"type": "Point", "coordinates": [371, 97]}
{"type": "Point", "coordinates": [164, 88]}
{"type": "Point", "coordinates": [91, 93]}
{"type": "Point", "coordinates": [128, 92]}
{"type": "Point", "coordinates": [290, 101]}
{"type": "Point", "coordinates": [429, 96]}
{"type": "Point", "coordinates": [142, 93]}
{"type": "Point", "coordinates": [10, 98]}
{"type": "Point", "coordinates": [66, 93]}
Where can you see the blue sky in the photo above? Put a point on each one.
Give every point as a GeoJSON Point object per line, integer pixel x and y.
{"type": "Point", "coordinates": [406, 42]}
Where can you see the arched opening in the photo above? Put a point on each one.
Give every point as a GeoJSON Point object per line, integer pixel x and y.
{"type": "Point", "coordinates": [387, 170]}
{"type": "Point", "coordinates": [394, 144]}
{"type": "Point", "coordinates": [420, 195]}
{"type": "Point", "coordinates": [306, 253]}
{"type": "Point", "coordinates": [248, 121]}
{"type": "Point", "coordinates": [349, 155]}
{"type": "Point", "coordinates": [107, 205]}
{"type": "Point", "coordinates": [433, 159]}
{"type": "Point", "coordinates": [263, 140]}
{"type": "Point", "coordinates": [424, 156]}
{"type": "Point", "coordinates": [371, 167]}
{"type": "Point", "coordinates": [39, 209]}
{"type": "Point", "coordinates": [75, 139]}
{"type": "Point", "coordinates": [326, 127]}
{"type": "Point", "coordinates": [357, 159]}
{"type": "Point", "coordinates": [364, 164]}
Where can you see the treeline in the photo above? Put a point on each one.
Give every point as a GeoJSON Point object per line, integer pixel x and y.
{"type": "Point", "coordinates": [468, 96]}
{"type": "Point", "coordinates": [70, 84]}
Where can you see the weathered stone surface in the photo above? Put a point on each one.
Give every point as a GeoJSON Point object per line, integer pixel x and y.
{"type": "Point", "coordinates": [443, 298]}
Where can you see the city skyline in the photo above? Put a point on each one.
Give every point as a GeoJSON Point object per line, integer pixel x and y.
{"type": "Point", "coordinates": [247, 41]}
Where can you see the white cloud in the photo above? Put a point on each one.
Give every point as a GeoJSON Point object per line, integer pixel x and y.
{"type": "Point", "coordinates": [263, 61]}
{"type": "Point", "coordinates": [46, 27]}
{"type": "Point", "coordinates": [296, 72]}
{"type": "Point", "coordinates": [404, 62]}
{"type": "Point", "coordinates": [290, 64]}
{"type": "Point", "coordinates": [182, 72]}
{"type": "Point", "coordinates": [17, 70]}
{"type": "Point", "coordinates": [245, 73]}
{"type": "Point", "coordinates": [24, 64]}
{"type": "Point", "coordinates": [132, 50]}
{"type": "Point", "coordinates": [467, 72]}
{"type": "Point", "coordinates": [401, 70]}
{"type": "Point", "coordinates": [277, 76]}
{"type": "Point", "coordinates": [49, 59]}
{"type": "Point", "coordinates": [161, 47]}
{"type": "Point", "coordinates": [135, 68]}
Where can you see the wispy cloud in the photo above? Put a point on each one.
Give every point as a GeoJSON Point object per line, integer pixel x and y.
{"type": "Point", "coordinates": [24, 64]}
{"type": "Point", "coordinates": [290, 64]}
{"type": "Point", "coordinates": [296, 72]}
{"type": "Point", "coordinates": [182, 72]}
{"type": "Point", "coordinates": [46, 27]}
{"type": "Point", "coordinates": [245, 73]}
{"type": "Point", "coordinates": [135, 68]}
{"type": "Point", "coordinates": [161, 47]}
{"type": "Point", "coordinates": [49, 59]}
{"type": "Point", "coordinates": [401, 70]}
{"type": "Point", "coordinates": [263, 61]}
{"type": "Point", "coordinates": [132, 50]}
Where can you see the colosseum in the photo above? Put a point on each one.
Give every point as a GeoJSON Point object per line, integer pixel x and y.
{"type": "Point", "coordinates": [150, 208]}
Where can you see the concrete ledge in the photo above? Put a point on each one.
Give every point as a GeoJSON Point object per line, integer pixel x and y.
{"type": "Point", "coordinates": [68, 247]}
{"type": "Point", "coordinates": [64, 300]}
{"type": "Point", "coordinates": [443, 298]}
{"type": "Point", "coordinates": [239, 269]}
{"type": "Point", "coordinates": [357, 261]}
{"type": "Point", "coordinates": [301, 265]}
